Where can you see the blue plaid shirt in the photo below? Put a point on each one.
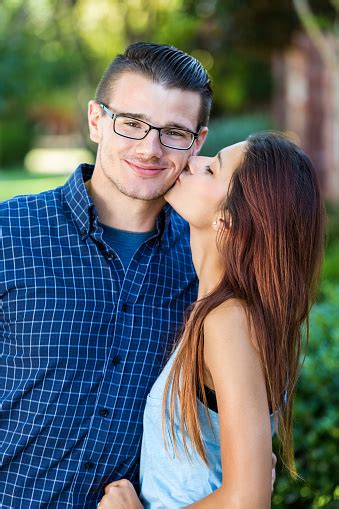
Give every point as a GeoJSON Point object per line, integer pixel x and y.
{"type": "Point", "coordinates": [82, 343]}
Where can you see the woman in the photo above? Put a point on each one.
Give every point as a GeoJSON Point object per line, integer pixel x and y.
{"type": "Point", "coordinates": [257, 227]}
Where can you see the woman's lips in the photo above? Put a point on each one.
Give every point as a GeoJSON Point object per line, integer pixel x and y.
{"type": "Point", "coordinates": [145, 170]}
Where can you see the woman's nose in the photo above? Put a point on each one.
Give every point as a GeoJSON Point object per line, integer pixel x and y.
{"type": "Point", "coordinates": [197, 164]}
{"type": "Point", "coordinates": [192, 164]}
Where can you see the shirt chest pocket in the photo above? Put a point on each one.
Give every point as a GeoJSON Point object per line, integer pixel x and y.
{"type": "Point", "coordinates": [42, 315]}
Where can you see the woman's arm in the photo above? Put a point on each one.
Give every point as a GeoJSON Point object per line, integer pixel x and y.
{"type": "Point", "coordinates": [232, 359]}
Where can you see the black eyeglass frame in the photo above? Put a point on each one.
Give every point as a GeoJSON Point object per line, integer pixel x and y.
{"type": "Point", "coordinates": [114, 116]}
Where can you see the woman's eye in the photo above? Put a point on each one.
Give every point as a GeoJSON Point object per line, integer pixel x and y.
{"type": "Point", "coordinates": [209, 170]}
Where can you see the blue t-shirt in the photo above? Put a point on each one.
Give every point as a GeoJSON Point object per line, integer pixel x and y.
{"type": "Point", "coordinates": [123, 242]}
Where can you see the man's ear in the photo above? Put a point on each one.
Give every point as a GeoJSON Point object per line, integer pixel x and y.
{"type": "Point", "coordinates": [94, 117]}
{"type": "Point", "coordinates": [200, 141]}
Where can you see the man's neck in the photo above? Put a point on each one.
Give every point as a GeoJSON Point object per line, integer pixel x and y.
{"type": "Point", "coordinates": [119, 211]}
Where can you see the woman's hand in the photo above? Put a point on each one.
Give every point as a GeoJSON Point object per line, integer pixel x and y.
{"type": "Point", "coordinates": [120, 495]}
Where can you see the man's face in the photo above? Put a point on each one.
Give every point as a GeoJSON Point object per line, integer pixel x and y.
{"type": "Point", "coordinates": [143, 169]}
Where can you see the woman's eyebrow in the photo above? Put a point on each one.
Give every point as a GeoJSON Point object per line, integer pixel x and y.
{"type": "Point", "coordinates": [219, 158]}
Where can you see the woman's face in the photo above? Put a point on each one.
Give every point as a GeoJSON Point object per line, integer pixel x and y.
{"type": "Point", "coordinates": [201, 189]}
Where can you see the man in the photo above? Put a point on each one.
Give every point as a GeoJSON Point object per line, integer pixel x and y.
{"type": "Point", "coordinates": [95, 279]}
{"type": "Point", "coordinates": [89, 309]}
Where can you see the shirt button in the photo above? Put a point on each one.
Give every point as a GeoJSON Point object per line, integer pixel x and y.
{"type": "Point", "coordinates": [116, 360]}
{"type": "Point", "coordinates": [124, 308]}
{"type": "Point", "coordinates": [104, 412]}
{"type": "Point", "coordinates": [110, 256]}
{"type": "Point", "coordinates": [89, 465]}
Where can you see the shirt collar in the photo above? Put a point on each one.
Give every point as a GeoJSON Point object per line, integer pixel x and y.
{"type": "Point", "coordinates": [83, 210]}
{"type": "Point", "coordinates": [163, 226]}
{"type": "Point", "coordinates": [78, 199]}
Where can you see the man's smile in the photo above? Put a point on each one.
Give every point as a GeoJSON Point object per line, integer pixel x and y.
{"type": "Point", "coordinates": [143, 169]}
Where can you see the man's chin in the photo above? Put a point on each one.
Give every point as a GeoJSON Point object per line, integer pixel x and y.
{"type": "Point", "coordinates": [152, 196]}
{"type": "Point", "coordinates": [149, 197]}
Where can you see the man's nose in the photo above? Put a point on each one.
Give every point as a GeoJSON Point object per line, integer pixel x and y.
{"type": "Point", "coordinates": [150, 146]}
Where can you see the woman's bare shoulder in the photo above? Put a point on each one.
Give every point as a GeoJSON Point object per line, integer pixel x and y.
{"type": "Point", "coordinates": [232, 320]}
{"type": "Point", "coordinates": [232, 310]}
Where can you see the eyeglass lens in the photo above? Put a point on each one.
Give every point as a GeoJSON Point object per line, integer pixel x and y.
{"type": "Point", "coordinates": [137, 129]}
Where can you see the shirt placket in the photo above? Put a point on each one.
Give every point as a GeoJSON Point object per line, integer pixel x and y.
{"type": "Point", "coordinates": [115, 378]}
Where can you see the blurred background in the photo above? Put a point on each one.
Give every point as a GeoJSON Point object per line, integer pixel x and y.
{"type": "Point", "coordinates": [273, 65]}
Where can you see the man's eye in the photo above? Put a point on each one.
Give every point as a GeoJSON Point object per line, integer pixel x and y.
{"type": "Point", "coordinates": [175, 133]}
{"type": "Point", "coordinates": [209, 170]}
{"type": "Point", "coordinates": [133, 123]}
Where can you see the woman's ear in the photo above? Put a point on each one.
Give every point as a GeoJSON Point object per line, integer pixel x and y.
{"type": "Point", "coordinates": [218, 223]}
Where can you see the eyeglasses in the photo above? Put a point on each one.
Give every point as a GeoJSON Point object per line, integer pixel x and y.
{"type": "Point", "coordinates": [136, 129]}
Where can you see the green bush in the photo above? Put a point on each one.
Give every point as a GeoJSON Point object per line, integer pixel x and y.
{"type": "Point", "coordinates": [16, 138]}
{"type": "Point", "coordinates": [331, 264]}
{"type": "Point", "coordinates": [316, 415]}
{"type": "Point", "coordinates": [225, 131]}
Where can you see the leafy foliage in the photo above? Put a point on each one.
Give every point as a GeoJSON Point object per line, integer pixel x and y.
{"type": "Point", "coordinates": [228, 130]}
{"type": "Point", "coordinates": [316, 414]}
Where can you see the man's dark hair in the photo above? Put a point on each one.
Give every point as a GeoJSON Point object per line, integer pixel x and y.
{"type": "Point", "coordinates": [162, 64]}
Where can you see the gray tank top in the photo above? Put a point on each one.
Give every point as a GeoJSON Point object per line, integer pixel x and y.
{"type": "Point", "coordinates": [169, 479]}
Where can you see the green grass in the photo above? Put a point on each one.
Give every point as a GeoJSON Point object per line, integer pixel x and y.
{"type": "Point", "coordinates": [19, 181]}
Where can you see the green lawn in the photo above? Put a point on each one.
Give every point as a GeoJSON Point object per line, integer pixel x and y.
{"type": "Point", "coordinates": [19, 181]}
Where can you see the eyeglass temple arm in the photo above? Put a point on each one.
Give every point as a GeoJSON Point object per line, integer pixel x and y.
{"type": "Point", "coordinates": [106, 110]}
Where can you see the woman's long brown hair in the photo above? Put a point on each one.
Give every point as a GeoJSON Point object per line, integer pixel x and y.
{"type": "Point", "coordinates": [272, 255]}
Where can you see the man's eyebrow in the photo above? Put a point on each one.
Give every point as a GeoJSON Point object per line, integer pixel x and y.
{"type": "Point", "coordinates": [142, 116]}
{"type": "Point", "coordinates": [139, 116]}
